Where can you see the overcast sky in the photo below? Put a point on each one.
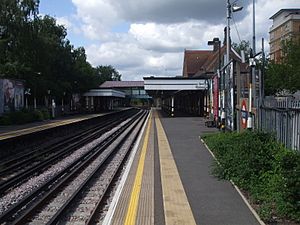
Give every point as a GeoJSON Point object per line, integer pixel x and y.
{"type": "Point", "coordinates": [148, 37]}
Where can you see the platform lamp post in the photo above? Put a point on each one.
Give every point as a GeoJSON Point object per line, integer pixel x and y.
{"type": "Point", "coordinates": [27, 93]}
{"type": "Point", "coordinates": [34, 94]}
{"type": "Point", "coordinates": [252, 73]}
{"type": "Point", "coordinates": [62, 103]}
{"type": "Point", "coordinates": [230, 9]}
{"type": "Point", "coordinates": [49, 98]}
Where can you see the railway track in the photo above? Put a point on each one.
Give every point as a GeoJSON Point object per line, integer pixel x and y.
{"type": "Point", "coordinates": [15, 170]}
{"type": "Point", "coordinates": [75, 193]}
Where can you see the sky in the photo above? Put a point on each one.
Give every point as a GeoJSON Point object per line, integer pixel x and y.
{"type": "Point", "coordinates": [148, 37]}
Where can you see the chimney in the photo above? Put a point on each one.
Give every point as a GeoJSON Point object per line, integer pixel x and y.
{"type": "Point", "coordinates": [217, 44]}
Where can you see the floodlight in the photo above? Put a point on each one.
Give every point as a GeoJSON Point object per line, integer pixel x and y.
{"type": "Point", "coordinates": [236, 8]}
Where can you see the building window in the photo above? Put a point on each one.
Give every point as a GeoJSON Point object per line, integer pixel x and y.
{"type": "Point", "coordinates": [287, 26]}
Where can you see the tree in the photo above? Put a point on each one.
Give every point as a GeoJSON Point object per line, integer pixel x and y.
{"type": "Point", "coordinates": [35, 49]}
{"type": "Point", "coordinates": [284, 76]}
{"type": "Point", "coordinates": [107, 73]}
{"type": "Point", "coordinates": [15, 35]}
{"type": "Point", "coordinates": [244, 45]}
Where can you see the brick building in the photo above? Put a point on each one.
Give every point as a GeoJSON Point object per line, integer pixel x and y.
{"type": "Point", "coordinates": [286, 26]}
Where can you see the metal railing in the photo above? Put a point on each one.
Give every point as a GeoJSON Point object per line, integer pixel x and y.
{"type": "Point", "coordinates": [282, 117]}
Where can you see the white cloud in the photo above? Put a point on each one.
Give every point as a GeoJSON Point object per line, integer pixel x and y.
{"type": "Point", "coordinates": [134, 62]}
{"type": "Point", "coordinates": [159, 31]}
{"type": "Point", "coordinates": [64, 21]}
{"type": "Point", "coordinates": [173, 37]}
{"type": "Point", "coordinates": [97, 17]}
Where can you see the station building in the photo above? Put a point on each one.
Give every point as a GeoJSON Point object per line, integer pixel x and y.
{"type": "Point", "coordinates": [197, 90]}
{"type": "Point", "coordinates": [113, 94]}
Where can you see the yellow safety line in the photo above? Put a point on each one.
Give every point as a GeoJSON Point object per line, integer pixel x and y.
{"type": "Point", "coordinates": [135, 193]}
{"type": "Point", "coordinates": [176, 205]}
{"type": "Point", "coordinates": [29, 130]}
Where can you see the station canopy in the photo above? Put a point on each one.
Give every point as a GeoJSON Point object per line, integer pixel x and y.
{"type": "Point", "coordinates": [175, 84]}
{"type": "Point", "coordinates": [104, 93]}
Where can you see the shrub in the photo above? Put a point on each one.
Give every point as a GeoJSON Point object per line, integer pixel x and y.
{"type": "Point", "coordinates": [257, 163]}
{"type": "Point", "coordinates": [20, 117]}
{"type": "Point", "coordinates": [24, 116]}
{"type": "Point", "coordinates": [45, 113]}
{"type": "Point", "coordinates": [38, 115]}
{"type": "Point", "coordinates": [5, 120]}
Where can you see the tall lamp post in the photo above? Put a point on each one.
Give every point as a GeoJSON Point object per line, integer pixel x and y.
{"type": "Point", "coordinates": [230, 9]}
{"type": "Point", "coordinates": [35, 83]}
{"type": "Point", "coordinates": [49, 98]}
{"type": "Point", "coordinates": [252, 73]}
{"type": "Point", "coordinates": [27, 93]}
{"type": "Point", "coordinates": [62, 103]}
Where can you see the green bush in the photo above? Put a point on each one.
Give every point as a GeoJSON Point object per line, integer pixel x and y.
{"type": "Point", "coordinates": [45, 113]}
{"type": "Point", "coordinates": [24, 116]}
{"type": "Point", "coordinates": [257, 163]}
{"type": "Point", "coordinates": [20, 117]}
{"type": "Point", "coordinates": [38, 115]}
{"type": "Point", "coordinates": [5, 120]}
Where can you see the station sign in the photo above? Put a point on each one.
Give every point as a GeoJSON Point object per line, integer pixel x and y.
{"type": "Point", "coordinates": [244, 112]}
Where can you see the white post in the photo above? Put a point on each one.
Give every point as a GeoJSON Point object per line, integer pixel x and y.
{"type": "Point", "coordinates": [172, 106]}
{"type": "Point", "coordinates": [62, 105]}
{"type": "Point", "coordinates": [232, 96]}
{"type": "Point", "coordinates": [26, 102]}
{"type": "Point", "coordinates": [34, 103]}
{"type": "Point", "coordinates": [53, 108]}
{"type": "Point", "coordinates": [92, 103]}
{"type": "Point", "coordinates": [219, 97]}
{"type": "Point", "coordinates": [87, 102]}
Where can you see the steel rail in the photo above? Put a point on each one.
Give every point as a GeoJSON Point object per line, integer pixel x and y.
{"type": "Point", "coordinates": [5, 185]}
{"type": "Point", "coordinates": [54, 181]}
{"type": "Point", "coordinates": [57, 217]}
{"type": "Point", "coordinates": [93, 215]}
{"type": "Point", "coordinates": [19, 158]}
{"type": "Point", "coordinates": [39, 151]}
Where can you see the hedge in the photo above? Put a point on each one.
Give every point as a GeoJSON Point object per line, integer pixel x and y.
{"type": "Point", "coordinates": [24, 116]}
{"type": "Point", "coordinates": [261, 166]}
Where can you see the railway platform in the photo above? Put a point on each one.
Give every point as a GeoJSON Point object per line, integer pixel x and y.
{"type": "Point", "coordinates": [19, 130]}
{"type": "Point", "coordinates": [168, 180]}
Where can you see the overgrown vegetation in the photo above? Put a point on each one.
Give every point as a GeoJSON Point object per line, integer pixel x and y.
{"type": "Point", "coordinates": [24, 116]}
{"type": "Point", "coordinates": [258, 164]}
{"type": "Point", "coordinates": [284, 76]}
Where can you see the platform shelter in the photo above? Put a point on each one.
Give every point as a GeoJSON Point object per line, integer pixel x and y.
{"type": "Point", "coordinates": [97, 100]}
{"type": "Point", "coordinates": [179, 94]}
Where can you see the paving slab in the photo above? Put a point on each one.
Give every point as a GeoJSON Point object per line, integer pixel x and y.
{"type": "Point", "coordinates": [213, 202]}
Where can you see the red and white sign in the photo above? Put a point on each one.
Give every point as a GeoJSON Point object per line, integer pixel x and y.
{"type": "Point", "coordinates": [244, 113]}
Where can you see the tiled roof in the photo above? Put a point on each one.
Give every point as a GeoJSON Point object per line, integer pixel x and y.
{"type": "Point", "coordinates": [194, 60]}
{"type": "Point", "coordinates": [122, 84]}
{"type": "Point", "coordinates": [198, 62]}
